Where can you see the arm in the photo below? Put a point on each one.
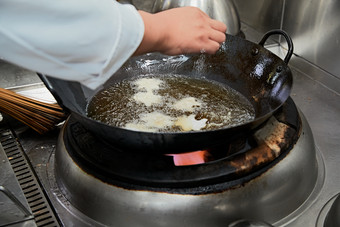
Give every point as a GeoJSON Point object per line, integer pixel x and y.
{"type": "Point", "coordinates": [78, 40]}
{"type": "Point", "coordinates": [89, 40]}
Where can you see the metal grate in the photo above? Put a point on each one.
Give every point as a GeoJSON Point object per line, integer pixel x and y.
{"type": "Point", "coordinates": [41, 209]}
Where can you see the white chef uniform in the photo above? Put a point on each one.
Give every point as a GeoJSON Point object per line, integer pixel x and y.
{"type": "Point", "coordinates": [79, 40]}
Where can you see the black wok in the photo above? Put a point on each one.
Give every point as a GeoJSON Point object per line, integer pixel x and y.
{"type": "Point", "coordinates": [262, 77]}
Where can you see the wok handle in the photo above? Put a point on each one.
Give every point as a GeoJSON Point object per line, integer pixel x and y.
{"type": "Point", "coordinates": [286, 36]}
{"type": "Point", "coordinates": [53, 92]}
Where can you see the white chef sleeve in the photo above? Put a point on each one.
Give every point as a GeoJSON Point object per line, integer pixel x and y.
{"type": "Point", "coordinates": [78, 40]}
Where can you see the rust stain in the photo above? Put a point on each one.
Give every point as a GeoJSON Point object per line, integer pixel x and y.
{"type": "Point", "coordinates": [253, 159]}
{"type": "Point", "coordinates": [269, 147]}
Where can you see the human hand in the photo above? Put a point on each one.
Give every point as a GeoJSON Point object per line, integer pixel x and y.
{"type": "Point", "coordinates": [181, 30]}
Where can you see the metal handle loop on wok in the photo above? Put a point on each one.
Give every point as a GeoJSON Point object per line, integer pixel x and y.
{"type": "Point", "coordinates": [286, 36]}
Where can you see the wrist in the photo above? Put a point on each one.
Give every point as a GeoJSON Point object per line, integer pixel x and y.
{"type": "Point", "coordinates": [152, 34]}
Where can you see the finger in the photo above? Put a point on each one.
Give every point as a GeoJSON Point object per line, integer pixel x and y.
{"type": "Point", "coordinates": [218, 25]}
{"type": "Point", "coordinates": [217, 36]}
{"type": "Point", "coordinates": [210, 47]}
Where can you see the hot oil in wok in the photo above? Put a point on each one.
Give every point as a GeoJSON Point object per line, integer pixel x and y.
{"type": "Point", "coordinates": [170, 103]}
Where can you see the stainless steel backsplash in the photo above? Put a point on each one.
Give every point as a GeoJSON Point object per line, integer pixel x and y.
{"type": "Point", "coordinates": [314, 26]}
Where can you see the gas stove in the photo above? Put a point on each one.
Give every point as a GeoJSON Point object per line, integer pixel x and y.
{"type": "Point", "coordinates": [274, 176]}
{"type": "Point", "coordinates": [264, 182]}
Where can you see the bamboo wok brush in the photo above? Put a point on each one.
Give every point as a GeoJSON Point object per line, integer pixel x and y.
{"type": "Point", "coordinates": [40, 116]}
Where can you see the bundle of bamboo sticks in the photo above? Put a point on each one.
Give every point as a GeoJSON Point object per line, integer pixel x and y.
{"type": "Point", "coordinates": [40, 116]}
